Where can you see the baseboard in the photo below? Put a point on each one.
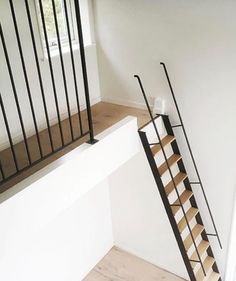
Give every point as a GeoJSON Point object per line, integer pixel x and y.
{"type": "Point", "coordinates": [53, 121]}
{"type": "Point", "coordinates": [92, 102]}
{"type": "Point", "coordinates": [125, 102]}
{"type": "Point", "coordinates": [160, 266]}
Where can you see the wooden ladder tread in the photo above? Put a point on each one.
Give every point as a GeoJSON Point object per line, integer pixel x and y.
{"type": "Point", "coordinates": [202, 248]}
{"type": "Point", "coordinates": [180, 177]}
{"type": "Point", "coordinates": [191, 213]}
{"type": "Point", "coordinates": [214, 276]}
{"type": "Point", "coordinates": [165, 141]}
{"type": "Point", "coordinates": [207, 264]}
{"type": "Point", "coordinates": [173, 159]}
{"type": "Point", "coordinates": [196, 231]}
{"type": "Point", "coordinates": [184, 197]}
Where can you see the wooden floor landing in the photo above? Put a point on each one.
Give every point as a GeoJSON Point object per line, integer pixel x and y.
{"type": "Point", "coordinates": [118, 265]}
{"type": "Point", "coordinates": [104, 116]}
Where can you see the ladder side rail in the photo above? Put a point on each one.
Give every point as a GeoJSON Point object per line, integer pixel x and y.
{"type": "Point", "coordinates": [191, 152]}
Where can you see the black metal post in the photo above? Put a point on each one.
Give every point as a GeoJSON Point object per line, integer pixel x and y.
{"type": "Point", "coordinates": [84, 70]}
{"type": "Point", "coordinates": [73, 64]}
{"type": "Point", "coordinates": [190, 150]}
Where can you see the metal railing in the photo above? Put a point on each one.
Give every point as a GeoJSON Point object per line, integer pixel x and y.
{"type": "Point", "coordinates": [181, 125]}
{"type": "Point", "coordinates": [79, 126]}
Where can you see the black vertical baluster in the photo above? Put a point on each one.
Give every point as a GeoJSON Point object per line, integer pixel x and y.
{"type": "Point", "coordinates": [73, 65]}
{"type": "Point", "coordinates": [2, 172]}
{"type": "Point", "coordinates": [84, 70]}
{"type": "Point", "coordinates": [25, 76]}
{"type": "Point", "coordinates": [39, 72]}
{"type": "Point", "coordinates": [62, 66]}
{"type": "Point", "coordinates": [9, 133]}
{"type": "Point", "coordinates": [51, 69]}
{"type": "Point", "coordinates": [15, 93]}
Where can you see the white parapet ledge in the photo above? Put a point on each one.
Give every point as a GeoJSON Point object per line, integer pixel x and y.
{"type": "Point", "coordinates": [44, 195]}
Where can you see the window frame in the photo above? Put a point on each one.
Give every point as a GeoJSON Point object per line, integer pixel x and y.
{"type": "Point", "coordinates": [53, 43]}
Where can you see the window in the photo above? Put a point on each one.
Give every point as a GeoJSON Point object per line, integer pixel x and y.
{"type": "Point", "coordinates": [50, 22]}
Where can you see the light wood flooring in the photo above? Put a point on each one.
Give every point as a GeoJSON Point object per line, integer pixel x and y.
{"type": "Point", "coordinates": [104, 116]}
{"type": "Point", "coordinates": [118, 265]}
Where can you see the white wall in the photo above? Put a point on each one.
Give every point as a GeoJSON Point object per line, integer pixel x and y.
{"type": "Point", "coordinates": [5, 85]}
{"type": "Point", "coordinates": [65, 248]}
{"type": "Point", "coordinates": [140, 223]}
{"type": "Point", "coordinates": [58, 225]}
{"type": "Point", "coordinates": [197, 41]}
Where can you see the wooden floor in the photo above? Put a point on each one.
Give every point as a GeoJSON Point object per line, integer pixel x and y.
{"type": "Point", "coordinates": [104, 116]}
{"type": "Point", "coordinates": [118, 265]}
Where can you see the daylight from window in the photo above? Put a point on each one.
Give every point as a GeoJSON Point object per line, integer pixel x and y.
{"type": "Point", "coordinates": [61, 19]}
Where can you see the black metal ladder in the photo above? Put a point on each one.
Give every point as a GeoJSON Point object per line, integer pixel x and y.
{"type": "Point", "coordinates": [194, 247]}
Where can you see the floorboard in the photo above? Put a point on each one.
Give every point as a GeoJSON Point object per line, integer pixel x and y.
{"type": "Point", "coordinates": [119, 265]}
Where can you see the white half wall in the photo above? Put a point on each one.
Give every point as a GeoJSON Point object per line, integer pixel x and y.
{"type": "Point", "coordinates": [67, 247]}
{"type": "Point", "coordinates": [58, 225]}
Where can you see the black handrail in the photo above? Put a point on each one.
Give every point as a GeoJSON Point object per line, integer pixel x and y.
{"type": "Point", "coordinates": [190, 150]}
{"type": "Point", "coordinates": [169, 169]}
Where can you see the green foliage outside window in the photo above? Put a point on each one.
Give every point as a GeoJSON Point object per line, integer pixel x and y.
{"type": "Point", "coordinates": [50, 23]}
